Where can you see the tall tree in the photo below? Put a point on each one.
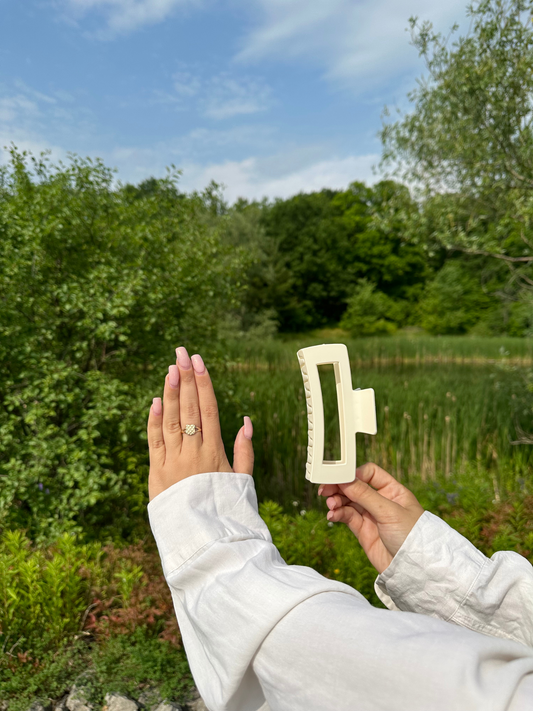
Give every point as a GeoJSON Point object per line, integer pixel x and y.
{"type": "Point", "coordinates": [468, 141]}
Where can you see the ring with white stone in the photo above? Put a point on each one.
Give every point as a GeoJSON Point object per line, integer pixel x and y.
{"type": "Point", "coordinates": [191, 429]}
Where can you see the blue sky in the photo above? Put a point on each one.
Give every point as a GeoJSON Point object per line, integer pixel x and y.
{"type": "Point", "coordinates": [268, 97]}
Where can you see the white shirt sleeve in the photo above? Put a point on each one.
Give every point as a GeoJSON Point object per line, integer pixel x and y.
{"type": "Point", "coordinates": [438, 572]}
{"type": "Point", "coordinates": [260, 634]}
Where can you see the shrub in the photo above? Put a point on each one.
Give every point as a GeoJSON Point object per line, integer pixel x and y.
{"type": "Point", "coordinates": [99, 284]}
{"type": "Point", "coordinates": [371, 312]}
{"type": "Point", "coordinates": [454, 301]}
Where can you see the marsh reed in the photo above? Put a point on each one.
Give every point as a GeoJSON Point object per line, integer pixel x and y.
{"type": "Point", "coordinates": [442, 414]}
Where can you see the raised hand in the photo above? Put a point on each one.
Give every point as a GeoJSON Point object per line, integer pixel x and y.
{"type": "Point", "coordinates": [189, 399]}
{"type": "Point", "coordinates": [378, 510]}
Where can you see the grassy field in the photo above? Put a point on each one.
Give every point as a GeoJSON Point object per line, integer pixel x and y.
{"type": "Point", "coordinates": [447, 408]}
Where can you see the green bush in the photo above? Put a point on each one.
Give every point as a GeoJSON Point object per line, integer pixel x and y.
{"type": "Point", "coordinates": [371, 312]}
{"type": "Point", "coordinates": [98, 286]}
{"type": "Point", "coordinates": [42, 591]}
{"type": "Point", "coordinates": [454, 302]}
{"type": "Point", "coordinates": [129, 664]}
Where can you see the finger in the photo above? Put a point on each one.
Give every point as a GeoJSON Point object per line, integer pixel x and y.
{"type": "Point", "coordinates": [156, 440]}
{"type": "Point", "coordinates": [347, 515]}
{"type": "Point", "coordinates": [243, 452]}
{"type": "Point", "coordinates": [381, 508]}
{"type": "Point", "coordinates": [377, 477]}
{"type": "Point", "coordinates": [171, 414]}
{"type": "Point", "coordinates": [189, 405]}
{"type": "Point", "coordinates": [334, 502]}
{"type": "Point", "coordinates": [207, 401]}
{"type": "Point", "coordinates": [386, 484]}
{"type": "Point", "coordinates": [328, 489]}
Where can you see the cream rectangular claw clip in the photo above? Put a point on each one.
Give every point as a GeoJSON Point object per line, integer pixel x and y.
{"type": "Point", "coordinates": [357, 413]}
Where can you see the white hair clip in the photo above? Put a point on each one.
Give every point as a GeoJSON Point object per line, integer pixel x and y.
{"type": "Point", "coordinates": [357, 413]}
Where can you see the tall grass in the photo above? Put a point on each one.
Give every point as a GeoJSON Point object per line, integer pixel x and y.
{"type": "Point", "coordinates": [445, 408]}
{"type": "Point", "coordinates": [385, 351]}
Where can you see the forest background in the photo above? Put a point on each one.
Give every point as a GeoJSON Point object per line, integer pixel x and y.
{"type": "Point", "coordinates": [426, 275]}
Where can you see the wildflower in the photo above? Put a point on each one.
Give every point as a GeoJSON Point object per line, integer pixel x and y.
{"type": "Point", "coordinates": [40, 485]}
{"type": "Point", "coordinates": [295, 503]}
{"type": "Point", "coordinates": [330, 524]}
{"type": "Point", "coordinates": [336, 571]}
{"type": "Point", "coordinates": [303, 512]}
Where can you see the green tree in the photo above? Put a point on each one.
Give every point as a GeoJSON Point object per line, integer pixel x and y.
{"type": "Point", "coordinates": [468, 140]}
{"type": "Point", "coordinates": [98, 285]}
{"type": "Point", "coordinates": [454, 301]}
{"type": "Point", "coordinates": [371, 312]}
{"type": "Point", "coordinates": [325, 242]}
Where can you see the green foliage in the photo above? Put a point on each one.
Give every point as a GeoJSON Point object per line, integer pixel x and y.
{"type": "Point", "coordinates": [99, 285]}
{"type": "Point", "coordinates": [453, 302]}
{"type": "Point", "coordinates": [309, 251]}
{"type": "Point", "coordinates": [71, 611]}
{"type": "Point", "coordinates": [128, 664]}
{"type": "Point", "coordinates": [371, 312]}
{"type": "Point", "coordinates": [42, 590]}
{"type": "Point", "coordinates": [468, 142]}
{"type": "Point", "coordinates": [48, 678]}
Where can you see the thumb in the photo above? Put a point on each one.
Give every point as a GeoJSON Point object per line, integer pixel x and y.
{"type": "Point", "coordinates": [243, 451]}
{"type": "Point", "coordinates": [383, 510]}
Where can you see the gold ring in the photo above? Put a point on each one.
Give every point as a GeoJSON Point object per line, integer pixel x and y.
{"type": "Point", "coordinates": [191, 429]}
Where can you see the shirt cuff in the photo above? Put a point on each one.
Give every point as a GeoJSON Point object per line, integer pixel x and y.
{"type": "Point", "coordinates": [433, 572]}
{"type": "Point", "coordinates": [211, 506]}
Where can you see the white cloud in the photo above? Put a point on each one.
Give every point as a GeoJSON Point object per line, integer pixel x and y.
{"type": "Point", "coordinates": [37, 122]}
{"type": "Point", "coordinates": [247, 179]}
{"type": "Point", "coordinates": [233, 97]}
{"type": "Point", "coordinates": [303, 169]}
{"type": "Point", "coordinates": [123, 16]}
{"type": "Point", "coordinates": [218, 97]}
{"type": "Point", "coordinates": [357, 43]}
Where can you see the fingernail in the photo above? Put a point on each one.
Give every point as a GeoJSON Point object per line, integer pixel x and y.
{"type": "Point", "coordinates": [198, 364]}
{"type": "Point", "coordinates": [320, 490]}
{"type": "Point", "coordinates": [173, 376]}
{"type": "Point", "coordinates": [183, 358]}
{"type": "Point", "coordinates": [248, 427]}
{"type": "Point", "coordinates": [156, 406]}
{"type": "Point", "coordinates": [330, 515]}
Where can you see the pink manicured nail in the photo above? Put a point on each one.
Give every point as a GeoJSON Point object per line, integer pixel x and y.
{"type": "Point", "coordinates": [183, 358]}
{"type": "Point", "coordinates": [320, 490]}
{"type": "Point", "coordinates": [198, 364]}
{"type": "Point", "coordinates": [330, 515]}
{"type": "Point", "coordinates": [173, 376]}
{"type": "Point", "coordinates": [248, 427]}
{"type": "Point", "coordinates": [157, 408]}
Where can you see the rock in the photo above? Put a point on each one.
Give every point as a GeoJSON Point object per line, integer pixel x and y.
{"type": "Point", "coordinates": [39, 706]}
{"type": "Point", "coordinates": [198, 705]}
{"type": "Point", "coordinates": [150, 698]}
{"type": "Point", "coordinates": [62, 705]}
{"type": "Point", "coordinates": [77, 700]}
{"type": "Point", "coordinates": [118, 702]}
{"type": "Point", "coordinates": [168, 706]}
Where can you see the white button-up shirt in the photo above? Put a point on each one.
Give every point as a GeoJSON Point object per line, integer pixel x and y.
{"type": "Point", "coordinates": [260, 634]}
